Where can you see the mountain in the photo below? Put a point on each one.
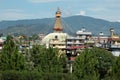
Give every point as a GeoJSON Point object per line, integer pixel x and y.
{"type": "Point", "coordinates": [70, 25]}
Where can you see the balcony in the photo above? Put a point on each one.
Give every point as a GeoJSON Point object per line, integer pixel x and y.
{"type": "Point", "coordinates": [115, 46]}
{"type": "Point", "coordinates": [75, 38]}
{"type": "Point", "coordinates": [89, 41]}
{"type": "Point", "coordinates": [75, 43]}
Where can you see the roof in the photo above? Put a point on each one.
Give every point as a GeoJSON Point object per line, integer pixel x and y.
{"type": "Point", "coordinates": [114, 39]}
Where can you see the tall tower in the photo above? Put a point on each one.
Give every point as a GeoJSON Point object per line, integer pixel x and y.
{"type": "Point", "coordinates": [111, 32]}
{"type": "Point", "coordinates": [58, 25]}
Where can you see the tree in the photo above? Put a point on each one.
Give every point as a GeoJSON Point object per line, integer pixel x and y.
{"type": "Point", "coordinates": [116, 69]}
{"type": "Point", "coordinates": [93, 64]}
{"type": "Point", "coordinates": [47, 60]}
{"type": "Point", "coordinates": [10, 58]}
{"type": "Point", "coordinates": [35, 37]}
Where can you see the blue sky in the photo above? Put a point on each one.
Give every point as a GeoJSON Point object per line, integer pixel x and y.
{"type": "Point", "coordinates": [37, 9]}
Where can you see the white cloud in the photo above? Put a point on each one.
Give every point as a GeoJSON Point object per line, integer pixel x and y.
{"type": "Point", "coordinates": [66, 12]}
{"type": "Point", "coordinates": [14, 14]}
{"type": "Point", "coordinates": [81, 13]}
{"type": "Point", "coordinates": [96, 9]}
{"type": "Point", "coordinates": [12, 10]}
{"type": "Point", "coordinates": [118, 20]}
{"type": "Point", "coordinates": [42, 1]}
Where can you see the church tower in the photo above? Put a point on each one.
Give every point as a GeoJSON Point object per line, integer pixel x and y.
{"type": "Point", "coordinates": [58, 25]}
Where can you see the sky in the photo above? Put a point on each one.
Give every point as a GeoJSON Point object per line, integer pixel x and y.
{"type": "Point", "coordinates": [38, 9]}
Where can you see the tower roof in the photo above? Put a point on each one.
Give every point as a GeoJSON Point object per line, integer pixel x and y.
{"type": "Point", "coordinates": [58, 11]}
{"type": "Point", "coordinates": [58, 25]}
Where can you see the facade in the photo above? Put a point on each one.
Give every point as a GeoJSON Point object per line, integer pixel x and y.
{"type": "Point", "coordinates": [114, 46]}
{"type": "Point", "coordinates": [76, 44]}
{"type": "Point", "coordinates": [101, 40]}
{"type": "Point", "coordinates": [2, 39]}
{"type": "Point", "coordinates": [82, 38]}
{"type": "Point", "coordinates": [114, 43]}
{"type": "Point", "coordinates": [1, 44]}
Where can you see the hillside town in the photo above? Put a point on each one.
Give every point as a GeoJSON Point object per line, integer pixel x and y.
{"type": "Point", "coordinates": [40, 59]}
{"type": "Point", "coordinates": [82, 39]}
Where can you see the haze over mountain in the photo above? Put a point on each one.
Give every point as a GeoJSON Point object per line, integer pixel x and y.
{"type": "Point", "coordinates": [70, 24]}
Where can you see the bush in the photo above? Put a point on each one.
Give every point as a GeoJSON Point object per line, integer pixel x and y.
{"type": "Point", "coordinates": [32, 75]}
{"type": "Point", "coordinates": [20, 75]}
{"type": "Point", "coordinates": [56, 76]}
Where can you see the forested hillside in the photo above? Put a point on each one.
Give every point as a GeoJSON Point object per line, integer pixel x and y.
{"type": "Point", "coordinates": [70, 25]}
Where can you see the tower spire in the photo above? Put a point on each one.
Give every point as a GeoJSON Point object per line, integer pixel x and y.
{"type": "Point", "coordinates": [58, 25]}
{"type": "Point", "coordinates": [58, 9]}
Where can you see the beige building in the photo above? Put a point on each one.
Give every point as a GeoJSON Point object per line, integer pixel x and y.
{"type": "Point", "coordinates": [114, 43]}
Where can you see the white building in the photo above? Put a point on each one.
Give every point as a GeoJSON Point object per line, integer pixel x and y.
{"type": "Point", "coordinates": [82, 38]}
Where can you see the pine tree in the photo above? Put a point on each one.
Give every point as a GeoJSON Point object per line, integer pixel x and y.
{"type": "Point", "coordinates": [10, 58]}
{"type": "Point", "coordinates": [47, 60]}
{"type": "Point", "coordinates": [93, 64]}
{"type": "Point", "coordinates": [116, 69]}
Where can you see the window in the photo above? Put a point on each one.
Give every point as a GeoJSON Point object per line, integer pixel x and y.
{"type": "Point", "coordinates": [56, 37]}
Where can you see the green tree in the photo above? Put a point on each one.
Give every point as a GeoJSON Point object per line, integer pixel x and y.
{"type": "Point", "coordinates": [47, 60]}
{"type": "Point", "coordinates": [116, 69]}
{"type": "Point", "coordinates": [93, 64]}
{"type": "Point", "coordinates": [35, 37]}
{"type": "Point", "coordinates": [36, 54]}
{"type": "Point", "coordinates": [10, 58]}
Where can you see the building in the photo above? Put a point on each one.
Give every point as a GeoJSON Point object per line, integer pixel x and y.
{"type": "Point", "coordinates": [82, 38]}
{"type": "Point", "coordinates": [101, 40]}
{"type": "Point", "coordinates": [76, 44]}
{"type": "Point", "coordinates": [114, 43]}
{"type": "Point", "coordinates": [2, 39]}
{"type": "Point", "coordinates": [57, 38]}
{"type": "Point", "coordinates": [1, 44]}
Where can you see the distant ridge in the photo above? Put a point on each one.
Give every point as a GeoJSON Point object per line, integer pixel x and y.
{"type": "Point", "coordinates": [70, 24]}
